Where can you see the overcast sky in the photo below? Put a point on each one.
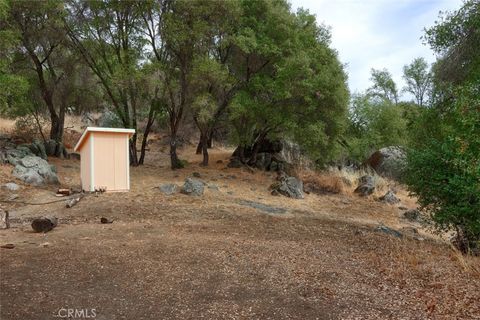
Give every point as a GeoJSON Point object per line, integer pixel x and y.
{"type": "Point", "coordinates": [377, 33]}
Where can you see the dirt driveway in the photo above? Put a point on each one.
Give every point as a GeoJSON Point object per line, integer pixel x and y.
{"type": "Point", "coordinates": [212, 257]}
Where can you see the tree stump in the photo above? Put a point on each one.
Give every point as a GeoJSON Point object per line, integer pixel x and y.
{"type": "Point", "coordinates": [44, 224]}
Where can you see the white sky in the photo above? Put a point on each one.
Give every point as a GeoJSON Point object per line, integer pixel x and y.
{"type": "Point", "coordinates": [377, 33]}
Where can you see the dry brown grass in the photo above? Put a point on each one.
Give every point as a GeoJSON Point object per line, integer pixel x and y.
{"type": "Point", "coordinates": [324, 248]}
{"type": "Point", "coordinates": [342, 181]}
{"type": "Point", "coordinates": [6, 125]}
{"type": "Point", "coordinates": [351, 177]}
{"type": "Point", "coordinates": [320, 182]}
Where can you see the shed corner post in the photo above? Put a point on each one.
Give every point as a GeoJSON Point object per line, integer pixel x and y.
{"type": "Point", "coordinates": [127, 141]}
{"type": "Point", "coordinates": [92, 163]}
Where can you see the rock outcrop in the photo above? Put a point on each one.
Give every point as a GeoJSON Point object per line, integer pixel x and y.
{"type": "Point", "coordinates": [35, 171]}
{"type": "Point", "coordinates": [193, 187]}
{"type": "Point", "coordinates": [366, 186]}
{"type": "Point", "coordinates": [288, 186]}
{"type": "Point", "coordinates": [388, 162]}
{"type": "Point", "coordinates": [389, 198]}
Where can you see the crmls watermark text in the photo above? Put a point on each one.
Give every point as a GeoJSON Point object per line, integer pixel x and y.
{"type": "Point", "coordinates": [74, 313]}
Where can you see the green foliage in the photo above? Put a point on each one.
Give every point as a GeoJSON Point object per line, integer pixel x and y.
{"type": "Point", "coordinates": [419, 80]}
{"type": "Point", "coordinates": [14, 86]}
{"type": "Point", "coordinates": [456, 37]}
{"type": "Point", "coordinates": [383, 86]}
{"type": "Point", "coordinates": [444, 166]}
{"type": "Point", "coordinates": [298, 89]}
{"type": "Point", "coordinates": [375, 124]}
{"type": "Point", "coordinates": [445, 172]}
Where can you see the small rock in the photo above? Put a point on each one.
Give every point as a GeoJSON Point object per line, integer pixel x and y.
{"type": "Point", "coordinates": [389, 231]}
{"type": "Point", "coordinates": [402, 208]}
{"type": "Point", "coordinates": [8, 246]}
{"type": "Point", "coordinates": [412, 215]}
{"type": "Point", "coordinates": [262, 207]}
{"type": "Point", "coordinates": [290, 187]}
{"type": "Point", "coordinates": [105, 220]}
{"type": "Point", "coordinates": [366, 186]}
{"type": "Point", "coordinates": [11, 186]}
{"type": "Point", "coordinates": [389, 198]}
{"type": "Point", "coordinates": [193, 187]}
{"type": "Point", "coordinates": [169, 188]}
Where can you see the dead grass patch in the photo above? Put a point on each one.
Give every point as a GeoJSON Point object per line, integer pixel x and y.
{"type": "Point", "coordinates": [320, 182]}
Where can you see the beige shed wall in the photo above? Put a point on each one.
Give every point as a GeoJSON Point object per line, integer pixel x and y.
{"type": "Point", "coordinates": [85, 165]}
{"type": "Point", "coordinates": [111, 170]}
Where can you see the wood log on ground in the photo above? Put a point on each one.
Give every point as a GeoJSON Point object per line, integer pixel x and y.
{"type": "Point", "coordinates": [72, 202]}
{"type": "Point", "coordinates": [44, 224]}
{"type": "Point", "coordinates": [65, 192]}
{"type": "Point", "coordinates": [4, 221]}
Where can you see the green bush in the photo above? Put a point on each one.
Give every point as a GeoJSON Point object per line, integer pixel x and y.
{"type": "Point", "coordinates": [444, 172]}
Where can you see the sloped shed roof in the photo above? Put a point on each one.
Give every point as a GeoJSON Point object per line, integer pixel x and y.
{"type": "Point", "coordinates": [87, 131]}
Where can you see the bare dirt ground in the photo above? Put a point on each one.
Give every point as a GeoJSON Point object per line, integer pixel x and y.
{"type": "Point", "coordinates": [213, 257]}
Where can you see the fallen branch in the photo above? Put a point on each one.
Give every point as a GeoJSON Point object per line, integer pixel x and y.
{"type": "Point", "coordinates": [72, 202]}
{"type": "Point", "coordinates": [39, 203]}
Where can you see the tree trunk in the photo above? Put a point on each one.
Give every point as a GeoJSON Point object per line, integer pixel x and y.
{"type": "Point", "coordinates": [133, 150]}
{"type": "Point", "coordinates": [255, 149]}
{"type": "Point", "coordinates": [241, 153]}
{"type": "Point", "coordinates": [146, 132]}
{"type": "Point", "coordinates": [210, 139]}
{"type": "Point", "coordinates": [205, 149]}
{"type": "Point", "coordinates": [199, 146]}
{"type": "Point", "coordinates": [174, 161]}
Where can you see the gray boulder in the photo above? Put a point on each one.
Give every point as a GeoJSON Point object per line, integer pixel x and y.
{"type": "Point", "coordinates": [169, 188]}
{"type": "Point", "coordinates": [193, 187]}
{"type": "Point", "coordinates": [55, 149]}
{"type": "Point", "coordinates": [366, 186]}
{"type": "Point", "coordinates": [389, 231]}
{"type": "Point", "coordinates": [388, 162]}
{"type": "Point", "coordinates": [389, 198]}
{"type": "Point", "coordinates": [35, 171]}
{"type": "Point", "coordinates": [13, 156]}
{"type": "Point", "coordinates": [50, 147]}
{"type": "Point", "coordinates": [290, 187]}
{"type": "Point", "coordinates": [12, 186]}
{"type": "Point", "coordinates": [38, 148]}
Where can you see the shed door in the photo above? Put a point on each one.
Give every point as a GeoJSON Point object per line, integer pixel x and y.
{"type": "Point", "coordinates": [120, 164]}
{"type": "Point", "coordinates": [111, 161]}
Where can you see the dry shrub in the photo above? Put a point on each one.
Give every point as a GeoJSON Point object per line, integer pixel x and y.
{"type": "Point", "coordinates": [26, 127]}
{"type": "Point", "coordinates": [70, 138]}
{"type": "Point", "coordinates": [350, 179]}
{"type": "Point", "coordinates": [320, 182]}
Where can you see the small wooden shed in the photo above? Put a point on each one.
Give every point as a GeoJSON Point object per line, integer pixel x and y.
{"type": "Point", "coordinates": [104, 159]}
